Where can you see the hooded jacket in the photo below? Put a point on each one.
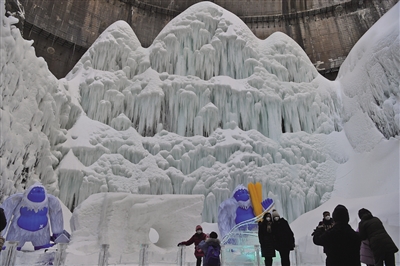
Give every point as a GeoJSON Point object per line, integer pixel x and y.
{"type": "Point", "coordinates": [371, 228]}
{"type": "Point", "coordinates": [266, 237]}
{"type": "Point", "coordinates": [341, 243]}
{"type": "Point", "coordinates": [283, 235]}
{"type": "Point", "coordinates": [204, 245]}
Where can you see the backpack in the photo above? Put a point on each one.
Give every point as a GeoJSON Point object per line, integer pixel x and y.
{"type": "Point", "coordinates": [212, 256]}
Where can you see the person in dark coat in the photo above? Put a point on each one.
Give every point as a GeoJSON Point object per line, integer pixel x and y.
{"type": "Point", "coordinates": [3, 224]}
{"type": "Point", "coordinates": [3, 220]}
{"type": "Point", "coordinates": [326, 223]}
{"type": "Point", "coordinates": [266, 239]}
{"type": "Point", "coordinates": [205, 244]}
{"type": "Point", "coordinates": [341, 243]}
{"type": "Point", "coordinates": [196, 239]}
{"type": "Point", "coordinates": [284, 237]}
{"type": "Point", "coordinates": [380, 242]}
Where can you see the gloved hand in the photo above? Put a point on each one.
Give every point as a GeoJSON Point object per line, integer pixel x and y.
{"type": "Point", "coordinates": [180, 244]}
{"type": "Point", "coordinates": [54, 237]}
{"type": "Point", "coordinates": [318, 229]}
{"type": "Point", "coordinates": [267, 203]}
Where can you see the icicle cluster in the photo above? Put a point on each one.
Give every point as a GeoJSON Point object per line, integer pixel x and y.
{"type": "Point", "coordinates": [34, 109]}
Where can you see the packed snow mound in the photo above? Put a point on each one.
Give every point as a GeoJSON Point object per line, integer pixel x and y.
{"type": "Point", "coordinates": [370, 81]}
{"type": "Point", "coordinates": [100, 218]}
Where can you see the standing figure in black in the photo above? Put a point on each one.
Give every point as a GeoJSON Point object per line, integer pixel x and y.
{"type": "Point", "coordinates": [3, 224]}
{"type": "Point", "coordinates": [266, 238]}
{"type": "Point", "coordinates": [326, 223]}
{"type": "Point", "coordinates": [380, 242]}
{"type": "Point", "coordinates": [284, 237]}
{"type": "Point", "coordinates": [196, 239]}
{"type": "Point", "coordinates": [341, 243]}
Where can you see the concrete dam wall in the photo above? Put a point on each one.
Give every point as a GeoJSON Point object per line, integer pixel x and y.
{"type": "Point", "coordinates": [326, 29]}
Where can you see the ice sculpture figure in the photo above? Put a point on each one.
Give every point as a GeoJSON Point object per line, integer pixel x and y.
{"type": "Point", "coordinates": [28, 216]}
{"type": "Point", "coordinates": [238, 212]}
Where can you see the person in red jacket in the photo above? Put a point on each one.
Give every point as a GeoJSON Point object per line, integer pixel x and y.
{"type": "Point", "coordinates": [196, 239]}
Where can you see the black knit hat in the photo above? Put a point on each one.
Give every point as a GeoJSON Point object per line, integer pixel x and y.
{"type": "Point", "coordinates": [341, 214]}
{"type": "Point", "coordinates": [213, 235]}
{"type": "Point", "coordinates": [363, 212]}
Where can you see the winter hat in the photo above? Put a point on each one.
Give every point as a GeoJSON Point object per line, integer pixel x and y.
{"type": "Point", "coordinates": [363, 212]}
{"type": "Point", "coordinates": [213, 235]}
{"type": "Point", "coordinates": [275, 213]}
{"type": "Point", "coordinates": [198, 227]}
{"type": "Point", "coordinates": [341, 214]}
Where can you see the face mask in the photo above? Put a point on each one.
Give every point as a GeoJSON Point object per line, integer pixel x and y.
{"type": "Point", "coordinates": [327, 217]}
{"type": "Point", "coordinates": [199, 231]}
{"type": "Point", "coordinates": [276, 218]}
{"type": "Point", "coordinates": [268, 219]}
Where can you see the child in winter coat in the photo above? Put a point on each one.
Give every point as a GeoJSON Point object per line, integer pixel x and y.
{"type": "Point", "coordinates": [196, 239]}
{"type": "Point", "coordinates": [212, 250]}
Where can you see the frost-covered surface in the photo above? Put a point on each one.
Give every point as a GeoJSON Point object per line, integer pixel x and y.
{"type": "Point", "coordinates": [34, 111]}
{"type": "Point", "coordinates": [126, 121]}
{"type": "Point", "coordinates": [175, 129]}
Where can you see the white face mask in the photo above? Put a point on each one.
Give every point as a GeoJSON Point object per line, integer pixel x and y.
{"type": "Point", "coordinates": [199, 231]}
{"type": "Point", "coordinates": [327, 217]}
{"type": "Point", "coordinates": [268, 219]}
{"type": "Point", "coordinates": [276, 218]}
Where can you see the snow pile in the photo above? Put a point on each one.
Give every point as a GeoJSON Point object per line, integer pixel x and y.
{"type": "Point", "coordinates": [370, 81]}
{"type": "Point", "coordinates": [99, 220]}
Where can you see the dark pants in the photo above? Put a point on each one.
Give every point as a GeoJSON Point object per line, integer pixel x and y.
{"type": "Point", "coordinates": [284, 257]}
{"type": "Point", "coordinates": [268, 261]}
{"type": "Point", "coordinates": [198, 261]}
{"type": "Point", "coordinates": [385, 259]}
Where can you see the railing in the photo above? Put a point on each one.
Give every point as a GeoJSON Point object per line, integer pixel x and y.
{"type": "Point", "coordinates": [231, 255]}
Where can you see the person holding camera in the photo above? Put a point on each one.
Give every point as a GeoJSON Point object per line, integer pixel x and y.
{"type": "Point", "coordinates": [341, 243]}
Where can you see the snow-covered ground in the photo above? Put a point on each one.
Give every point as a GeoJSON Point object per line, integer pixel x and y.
{"type": "Point", "coordinates": [143, 144]}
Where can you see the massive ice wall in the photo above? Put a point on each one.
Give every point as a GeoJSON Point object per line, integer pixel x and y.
{"type": "Point", "coordinates": [184, 116]}
{"type": "Point", "coordinates": [207, 107]}
{"type": "Point", "coordinates": [34, 110]}
{"type": "Point", "coordinates": [204, 70]}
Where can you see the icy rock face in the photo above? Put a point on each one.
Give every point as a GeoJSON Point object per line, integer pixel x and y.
{"type": "Point", "coordinates": [34, 112]}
